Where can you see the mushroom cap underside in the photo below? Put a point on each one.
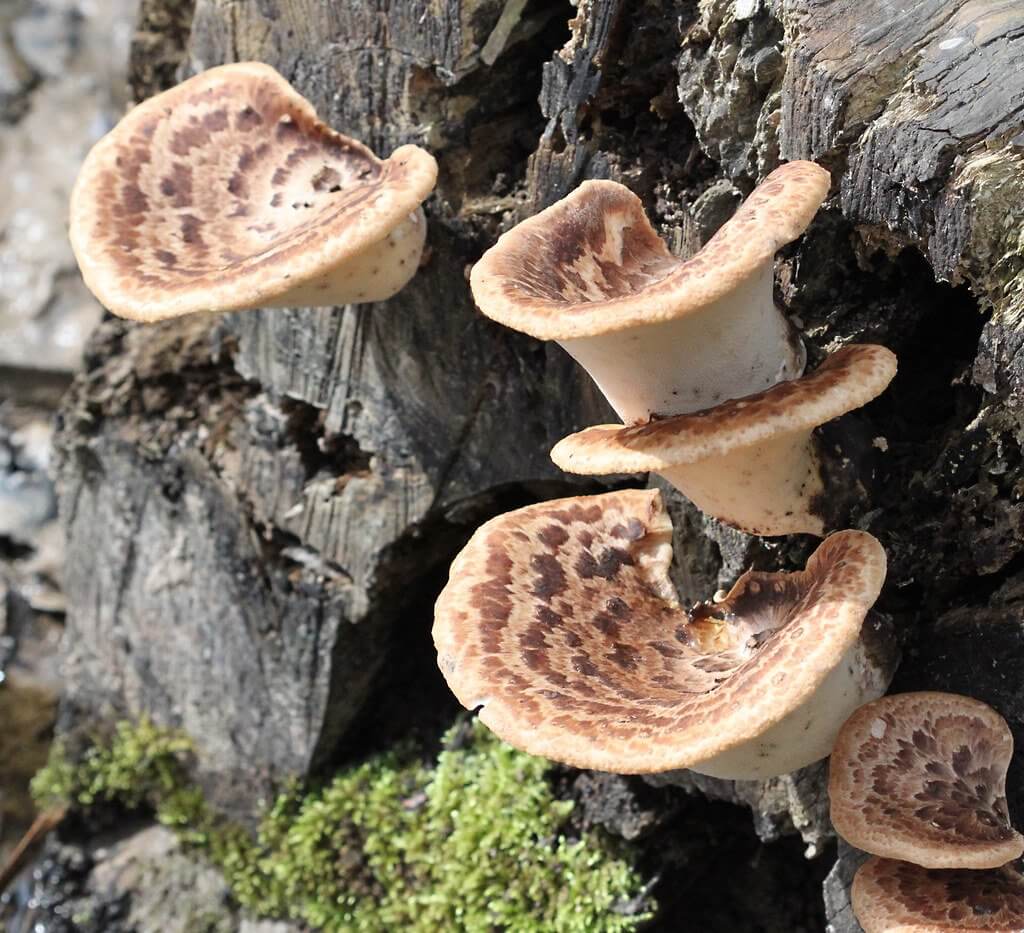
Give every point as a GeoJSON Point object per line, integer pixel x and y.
{"type": "Point", "coordinates": [846, 380]}
{"type": "Point", "coordinates": [560, 621]}
{"type": "Point", "coordinates": [891, 896]}
{"type": "Point", "coordinates": [922, 777]}
{"type": "Point", "coordinates": [227, 191]}
{"type": "Point", "coordinates": [593, 264]}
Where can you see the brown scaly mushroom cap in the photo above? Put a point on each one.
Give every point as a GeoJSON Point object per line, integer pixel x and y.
{"type": "Point", "coordinates": [658, 335]}
{"type": "Point", "coordinates": [227, 193]}
{"type": "Point", "coordinates": [752, 462]}
{"type": "Point", "coordinates": [559, 622]}
{"type": "Point", "coordinates": [897, 897]}
{"type": "Point", "coordinates": [922, 777]}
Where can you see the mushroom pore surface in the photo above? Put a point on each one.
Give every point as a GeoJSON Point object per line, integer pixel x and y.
{"type": "Point", "coordinates": [559, 621]}
{"type": "Point", "coordinates": [228, 192]}
{"type": "Point", "coordinates": [921, 777]}
{"type": "Point", "coordinates": [892, 896]}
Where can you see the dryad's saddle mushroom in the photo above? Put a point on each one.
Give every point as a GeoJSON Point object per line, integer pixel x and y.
{"type": "Point", "coordinates": [897, 897]}
{"type": "Point", "coordinates": [751, 462]}
{"type": "Point", "coordinates": [227, 192]}
{"type": "Point", "coordinates": [559, 622]}
{"type": "Point", "coordinates": [660, 336]}
{"type": "Point", "coordinates": [921, 777]}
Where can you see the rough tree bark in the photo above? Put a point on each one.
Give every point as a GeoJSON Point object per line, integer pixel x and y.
{"type": "Point", "coordinates": [259, 507]}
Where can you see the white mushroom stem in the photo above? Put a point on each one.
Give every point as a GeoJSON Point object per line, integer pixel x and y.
{"type": "Point", "coordinates": [767, 488]}
{"type": "Point", "coordinates": [732, 347]}
{"type": "Point", "coordinates": [374, 274]}
{"type": "Point", "coordinates": [807, 733]}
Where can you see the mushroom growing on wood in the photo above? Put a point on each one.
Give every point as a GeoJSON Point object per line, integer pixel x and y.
{"type": "Point", "coordinates": [891, 896]}
{"type": "Point", "coordinates": [754, 462]}
{"type": "Point", "coordinates": [922, 777]}
{"type": "Point", "coordinates": [660, 336]}
{"type": "Point", "coordinates": [560, 624]}
{"type": "Point", "coordinates": [227, 192]}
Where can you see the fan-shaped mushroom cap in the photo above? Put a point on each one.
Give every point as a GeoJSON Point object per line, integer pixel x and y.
{"type": "Point", "coordinates": [922, 777]}
{"type": "Point", "coordinates": [227, 192]}
{"type": "Point", "coordinates": [750, 462]}
{"type": "Point", "coordinates": [659, 336]}
{"type": "Point", "coordinates": [560, 622]}
{"type": "Point", "coordinates": [890, 896]}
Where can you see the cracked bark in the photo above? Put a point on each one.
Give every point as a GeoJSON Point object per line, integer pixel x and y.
{"type": "Point", "coordinates": [299, 479]}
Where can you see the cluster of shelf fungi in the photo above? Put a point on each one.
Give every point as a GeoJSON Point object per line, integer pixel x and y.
{"type": "Point", "coordinates": [559, 623]}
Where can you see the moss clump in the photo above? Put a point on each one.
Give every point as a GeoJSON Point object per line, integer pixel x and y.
{"type": "Point", "coordinates": [472, 844]}
{"type": "Point", "coordinates": [140, 764]}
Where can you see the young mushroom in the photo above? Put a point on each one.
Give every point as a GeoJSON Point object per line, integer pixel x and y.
{"type": "Point", "coordinates": [560, 624]}
{"type": "Point", "coordinates": [754, 462]}
{"type": "Point", "coordinates": [227, 192]}
{"type": "Point", "coordinates": [660, 336]}
{"type": "Point", "coordinates": [890, 896]}
{"type": "Point", "coordinates": [922, 777]}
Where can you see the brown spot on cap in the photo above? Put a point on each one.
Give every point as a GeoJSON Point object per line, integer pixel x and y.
{"type": "Point", "coordinates": [891, 896]}
{"type": "Point", "coordinates": [591, 614]}
{"type": "Point", "coordinates": [922, 777]}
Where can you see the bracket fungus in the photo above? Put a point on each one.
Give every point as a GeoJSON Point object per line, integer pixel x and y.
{"type": "Point", "coordinates": [922, 777]}
{"type": "Point", "coordinates": [660, 336]}
{"type": "Point", "coordinates": [559, 622]}
{"type": "Point", "coordinates": [227, 192]}
{"type": "Point", "coordinates": [891, 896]}
{"type": "Point", "coordinates": [753, 462]}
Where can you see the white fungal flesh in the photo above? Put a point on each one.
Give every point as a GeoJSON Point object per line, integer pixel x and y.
{"type": "Point", "coordinates": [808, 733]}
{"type": "Point", "coordinates": [735, 346]}
{"type": "Point", "coordinates": [763, 489]}
{"type": "Point", "coordinates": [374, 274]}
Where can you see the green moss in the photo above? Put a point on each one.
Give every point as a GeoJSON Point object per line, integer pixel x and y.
{"type": "Point", "coordinates": [140, 764]}
{"type": "Point", "coordinates": [472, 844]}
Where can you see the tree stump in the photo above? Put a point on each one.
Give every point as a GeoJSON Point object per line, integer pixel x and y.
{"type": "Point", "coordinates": [261, 507]}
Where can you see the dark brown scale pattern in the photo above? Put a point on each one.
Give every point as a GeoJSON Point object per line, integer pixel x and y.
{"type": "Point", "coordinates": [557, 611]}
{"type": "Point", "coordinates": [941, 899]}
{"type": "Point", "coordinates": [575, 261]}
{"type": "Point", "coordinates": [603, 247]}
{"type": "Point", "coordinates": [937, 775]}
{"type": "Point", "coordinates": [229, 178]}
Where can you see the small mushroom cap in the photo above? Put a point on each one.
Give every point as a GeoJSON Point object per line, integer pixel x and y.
{"type": "Point", "coordinates": [891, 896]}
{"type": "Point", "coordinates": [559, 620]}
{"type": "Point", "coordinates": [848, 379]}
{"type": "Point", "coordinates": [593, 264]}
{"type": "Point", "coordinates": [226, 192]}
{"type": "Point", "coordinates": [922, 777]}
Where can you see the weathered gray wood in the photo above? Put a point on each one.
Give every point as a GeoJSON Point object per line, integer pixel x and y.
{"type": "Point", "coordinates": [162, 28]}
{"type": "Point", "coordinates": [179, 606]}
{"type": "Point", "coordinates": [791, 803]}
{"type": "Point", "coordinates": [923, 100]}
{"type": "Point", "coordinates": [838, 907]}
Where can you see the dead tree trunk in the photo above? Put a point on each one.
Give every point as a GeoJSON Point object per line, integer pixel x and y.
{"type": "Point", "coordinates": [260, 507]}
